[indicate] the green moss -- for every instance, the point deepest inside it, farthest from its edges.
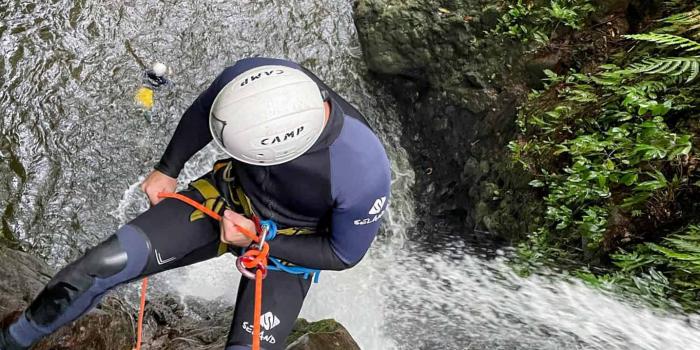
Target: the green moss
(446, 45)
(302, 326)
(534, 22)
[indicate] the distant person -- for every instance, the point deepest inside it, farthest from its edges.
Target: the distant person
(301, 156)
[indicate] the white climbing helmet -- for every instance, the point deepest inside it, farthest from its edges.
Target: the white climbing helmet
(268, 115)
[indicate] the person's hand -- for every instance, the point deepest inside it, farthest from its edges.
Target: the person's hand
(155, 183)
(230, 234)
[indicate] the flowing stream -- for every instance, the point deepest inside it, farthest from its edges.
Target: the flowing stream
(74, 147)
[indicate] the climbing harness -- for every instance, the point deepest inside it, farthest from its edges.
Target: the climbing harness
(270, 229)
(255, 257)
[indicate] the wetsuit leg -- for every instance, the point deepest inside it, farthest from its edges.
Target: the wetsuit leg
(283, 296)
(162, 238)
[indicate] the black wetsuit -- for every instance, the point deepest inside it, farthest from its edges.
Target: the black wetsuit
(339, 189)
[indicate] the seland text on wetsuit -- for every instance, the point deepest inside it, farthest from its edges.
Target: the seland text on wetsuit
(338, 190)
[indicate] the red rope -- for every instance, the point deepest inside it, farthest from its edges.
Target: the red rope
(259, 257)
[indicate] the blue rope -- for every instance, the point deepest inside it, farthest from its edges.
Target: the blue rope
(278, 266)
(271, 229)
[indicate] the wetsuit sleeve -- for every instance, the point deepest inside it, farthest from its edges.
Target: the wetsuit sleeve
(310, 251)
(360, 182)
(192, 133)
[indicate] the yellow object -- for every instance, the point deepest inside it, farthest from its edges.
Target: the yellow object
(212, 199)
(144, 97)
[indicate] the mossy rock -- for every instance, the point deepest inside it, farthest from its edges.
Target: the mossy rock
(321, 335)
(443, 44)
(108, 328)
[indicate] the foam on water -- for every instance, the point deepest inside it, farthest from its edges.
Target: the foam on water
(398, 299)
(465, 300)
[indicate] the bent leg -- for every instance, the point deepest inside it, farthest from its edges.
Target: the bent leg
(164, 237)
(283, 296)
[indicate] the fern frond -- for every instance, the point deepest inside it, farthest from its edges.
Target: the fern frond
(651, 86)
(683, 22)
(673, 66)
(685, 19)
(666, 40)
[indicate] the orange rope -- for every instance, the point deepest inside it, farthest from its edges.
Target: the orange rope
(207, 211)
(258, 309)
(142, 307)
(259, 257)
(191, 202)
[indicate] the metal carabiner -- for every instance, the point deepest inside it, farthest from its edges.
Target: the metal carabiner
(265, 228)
(243, 259)
(242, 269)
(240, 265)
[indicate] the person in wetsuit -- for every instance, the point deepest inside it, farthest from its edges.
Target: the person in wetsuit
(301, 156)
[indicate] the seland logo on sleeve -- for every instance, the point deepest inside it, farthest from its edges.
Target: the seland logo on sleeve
(268, 321)
(376, 212)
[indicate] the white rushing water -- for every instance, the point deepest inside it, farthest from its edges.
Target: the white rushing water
(398, 299)
(69, 72)
(402, 298)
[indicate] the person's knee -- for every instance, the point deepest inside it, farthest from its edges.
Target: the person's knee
(118, 259)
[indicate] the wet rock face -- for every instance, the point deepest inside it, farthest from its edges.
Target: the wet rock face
(22, 276)
(109, 327)
(440, 45)
(465, 175)
(458, 89)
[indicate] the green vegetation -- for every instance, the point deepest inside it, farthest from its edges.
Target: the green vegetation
(614, 155)
(302, 326)
(533, 22)
(665, 273)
